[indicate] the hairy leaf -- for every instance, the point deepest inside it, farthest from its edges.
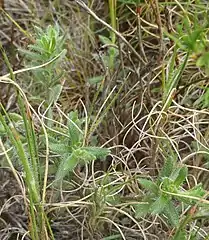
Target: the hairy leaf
(180, 235)
(167, 168)
(97, 151)
(68, 164)
(142, 209)
(196, 191)
(105, 40)
(183, 172)
(148, 185)
(75, 132)
(54, 93)
(172, 214)
(59, 148)
(158, 206)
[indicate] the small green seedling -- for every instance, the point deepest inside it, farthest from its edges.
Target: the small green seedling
(48, 45)
(162, 196)
(72, 150)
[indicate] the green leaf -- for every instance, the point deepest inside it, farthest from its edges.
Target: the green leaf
(113, 51)
(172, 214)
(205, 100)
(54, 93)
(38, 49)
(190, 40)
(167, 168)
(183, 172)
(52, 44)
(112, 237)
(74, 127)
(95, 80)
(32, 55)
(59, 148)
(196, 191)
(142, 209)
(2, 129)
(105, 40)
(148, 185)
(203, 60)
(84, 156)
(68, 164)
(158, 206)
(15, 117)
(97, 151)
(44, 42)
(180, 235)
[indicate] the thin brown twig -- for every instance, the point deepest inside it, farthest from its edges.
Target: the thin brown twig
(140, 37)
